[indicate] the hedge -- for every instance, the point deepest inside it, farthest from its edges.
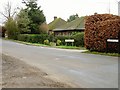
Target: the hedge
(62, 38)
(99, 28)
(33, 38)
(78, 37)
(39, 38)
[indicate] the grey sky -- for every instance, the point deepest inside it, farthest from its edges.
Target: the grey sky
(65, 8)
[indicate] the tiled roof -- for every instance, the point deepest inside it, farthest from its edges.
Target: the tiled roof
(78, 23)
(56, 23)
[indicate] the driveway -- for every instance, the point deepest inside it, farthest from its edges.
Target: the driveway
(69, 66)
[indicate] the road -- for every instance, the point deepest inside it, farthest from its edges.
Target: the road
(73, 67)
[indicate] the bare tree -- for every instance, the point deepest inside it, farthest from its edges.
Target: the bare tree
(8, 12)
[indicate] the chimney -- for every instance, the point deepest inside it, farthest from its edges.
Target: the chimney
(95, 13)
(55, 17)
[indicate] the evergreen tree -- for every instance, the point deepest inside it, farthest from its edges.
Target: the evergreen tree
(72, 17)
(35, 15)
(23, 22)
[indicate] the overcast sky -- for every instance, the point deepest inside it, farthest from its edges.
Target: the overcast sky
(65, 8)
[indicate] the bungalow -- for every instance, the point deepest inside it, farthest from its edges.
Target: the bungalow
(70, 28)
(57, 22)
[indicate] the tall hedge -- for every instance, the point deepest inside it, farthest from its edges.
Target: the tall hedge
(99, 28)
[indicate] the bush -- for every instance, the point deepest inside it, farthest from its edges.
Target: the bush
(58, 42)
(33, 38)
(79, 39)
(46, 42)
(12, 29)
(52, 44)
(99, 28)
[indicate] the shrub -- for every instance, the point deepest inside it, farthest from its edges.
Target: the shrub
(12, 29)
(99, 28)
(58, 42)
(46, 42)
(79, 39)
(43, 28)
(52, 44)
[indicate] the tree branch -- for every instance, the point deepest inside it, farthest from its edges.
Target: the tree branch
(3, 15)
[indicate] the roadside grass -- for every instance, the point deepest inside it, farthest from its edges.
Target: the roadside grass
(27, 43)
(71, 47)
(101, 53)
(43, 45)
(66, 47)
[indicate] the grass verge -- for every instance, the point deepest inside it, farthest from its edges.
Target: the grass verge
(27, 43)
(71, 47)
(101, 53)
(67, 47)
(43, 45)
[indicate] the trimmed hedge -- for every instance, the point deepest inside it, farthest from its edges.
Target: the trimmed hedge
(99, 28)
(33, 38)
(60, 40)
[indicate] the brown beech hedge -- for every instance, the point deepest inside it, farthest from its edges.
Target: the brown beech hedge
(99, 28)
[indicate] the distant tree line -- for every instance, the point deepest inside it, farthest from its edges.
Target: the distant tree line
(72, 17)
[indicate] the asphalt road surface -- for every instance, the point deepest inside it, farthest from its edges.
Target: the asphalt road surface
(69, 66)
